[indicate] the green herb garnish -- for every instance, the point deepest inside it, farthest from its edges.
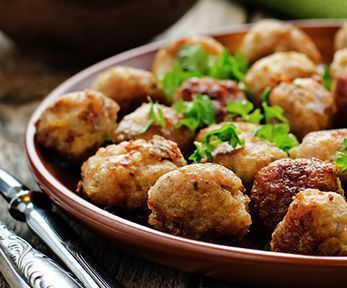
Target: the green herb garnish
(326, 76)
(279, 135)
(341, 159)
(156, 116)
(245, 110)
(273, 113)
(265, 95)
(194, 58)
(227, 133)
(198, 113)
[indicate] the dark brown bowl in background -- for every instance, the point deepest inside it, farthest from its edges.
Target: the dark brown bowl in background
(226, 262)
(83, 31)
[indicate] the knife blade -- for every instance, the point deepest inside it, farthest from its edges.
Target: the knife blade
(34, 208)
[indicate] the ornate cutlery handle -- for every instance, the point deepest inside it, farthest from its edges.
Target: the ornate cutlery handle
(37, 269)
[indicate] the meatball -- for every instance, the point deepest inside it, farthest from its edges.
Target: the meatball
(165, 58)
(339, 65)
(120, 175)
(307, 105)
(316, 224)
(77, 124)
(269, 36)
(132, 125)
(276, 184)
(220, 91)
(341, 38)
(322, 145)
(247, 160)
(128, 86)
(200, 201)
(270, 70)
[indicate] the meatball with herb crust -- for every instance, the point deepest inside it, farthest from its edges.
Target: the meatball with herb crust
(77, 124)
(307, 105)
(165, 58)
(315, 224)
(135, 126)
(272, 69)
(220, 91)
(120, 175)
(276, 184)
(128, 86)
(269, 36)
(200, 201)
(245, 161)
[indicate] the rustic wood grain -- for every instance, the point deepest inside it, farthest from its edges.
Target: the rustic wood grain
(23, 82)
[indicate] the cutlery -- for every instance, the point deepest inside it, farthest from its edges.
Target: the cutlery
(34, 208)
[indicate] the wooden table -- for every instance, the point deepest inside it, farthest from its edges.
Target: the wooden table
(23, 83)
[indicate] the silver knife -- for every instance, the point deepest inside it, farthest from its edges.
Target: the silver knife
(23, 266)
(34, 208)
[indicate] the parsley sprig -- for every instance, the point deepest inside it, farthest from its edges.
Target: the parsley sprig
(156, 116)
(326, 77)
(227, 133)
(198, 113)
(341, 159)
(194, 61)
(245, 110)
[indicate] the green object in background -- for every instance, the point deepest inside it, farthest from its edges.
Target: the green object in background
(305, 8)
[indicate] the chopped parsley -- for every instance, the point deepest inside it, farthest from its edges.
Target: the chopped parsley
(245, 110)
(279, 135)
(227, 133)
(341, 159)
(273, 113)
(326, 76)
(264, 97)
(197, 113)
(156, 116)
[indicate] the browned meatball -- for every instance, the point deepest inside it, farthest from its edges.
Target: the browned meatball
(76, 124)
(276, 184)
(220, 91)
(200, 201)
(316, 224)
(120, 175)
(269, 36)
(339, 65)
(341, 38)
(270, 70)
(322, 145)
(131, 127)
(165, 58)
(129, 87)
(307, 105)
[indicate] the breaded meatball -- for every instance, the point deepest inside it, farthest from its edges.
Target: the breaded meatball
(307, 105)
(269, 36)
(322, 145)
(276, 184)
(220, 91)
(132, 125)
(120, 175)
(129, 87)
(245, 161)
(200, 201)
(341, 38)
(270, 70)
(165, 58)
(339, 65)
(77, 124)
(316, 224)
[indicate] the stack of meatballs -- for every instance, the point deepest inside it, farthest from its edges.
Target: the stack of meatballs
(295, 197)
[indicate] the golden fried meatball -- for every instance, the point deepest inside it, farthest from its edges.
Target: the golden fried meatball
(322, 145)
(132, 125)
(77, 124)
(247, 160)
(339, 64)
(276, 184)
(316, 224)
(200, 201)
(341, 38)
(269, 36)
(120, 175)
(165, 58)
(307, 105)
(220, 91)
(129, 87)
(270, 70)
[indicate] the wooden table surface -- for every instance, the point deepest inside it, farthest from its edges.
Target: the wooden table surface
(23, 83)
